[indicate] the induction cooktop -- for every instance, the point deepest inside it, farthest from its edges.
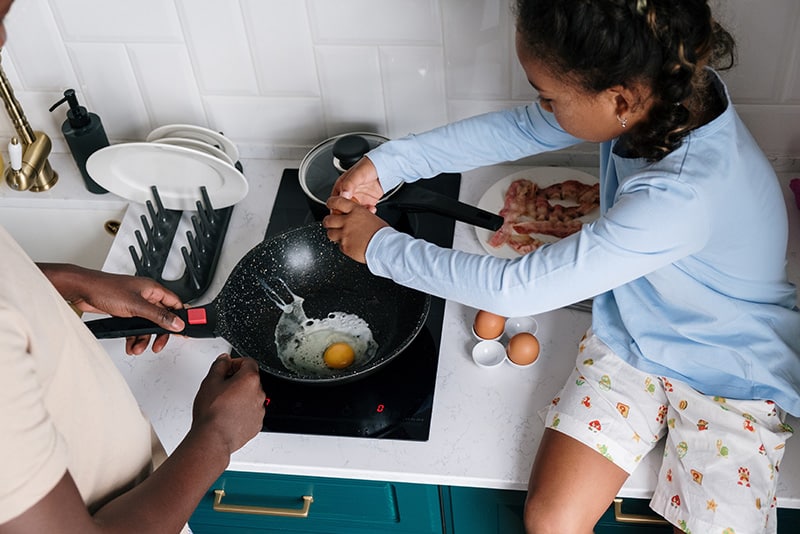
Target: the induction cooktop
(394, 402)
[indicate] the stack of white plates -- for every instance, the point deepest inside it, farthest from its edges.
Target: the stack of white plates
(178, 159)
(190, 135)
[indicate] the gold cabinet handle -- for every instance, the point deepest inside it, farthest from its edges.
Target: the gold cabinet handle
(638, 519)
(261, 510)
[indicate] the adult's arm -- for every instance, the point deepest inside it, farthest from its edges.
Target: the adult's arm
(94, 291)
(228, 411)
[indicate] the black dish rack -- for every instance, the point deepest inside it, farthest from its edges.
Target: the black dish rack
(201, 257)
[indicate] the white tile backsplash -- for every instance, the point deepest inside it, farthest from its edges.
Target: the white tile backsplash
(271, 121)
(117, 20)
(477, 48)
(280, 75)
(40, 39)
(785, 132)
(350, 77)
(217, 41)
(414, 88)
(111, 89)
(171, 94)
(376, 21)
(792, 89)
(760, 34)
(283, 52)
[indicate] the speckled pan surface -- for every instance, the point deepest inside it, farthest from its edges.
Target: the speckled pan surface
(315, 269)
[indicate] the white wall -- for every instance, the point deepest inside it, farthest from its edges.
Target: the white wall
(278, 76)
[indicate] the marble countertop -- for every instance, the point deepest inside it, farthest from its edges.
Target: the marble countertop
(485, 427)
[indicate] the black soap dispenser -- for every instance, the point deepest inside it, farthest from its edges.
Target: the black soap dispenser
(84, 133)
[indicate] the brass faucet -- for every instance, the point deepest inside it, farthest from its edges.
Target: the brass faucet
(34, 173)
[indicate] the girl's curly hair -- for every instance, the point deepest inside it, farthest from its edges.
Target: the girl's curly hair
(664, 44)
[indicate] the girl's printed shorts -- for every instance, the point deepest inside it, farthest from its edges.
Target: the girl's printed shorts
(721, 458)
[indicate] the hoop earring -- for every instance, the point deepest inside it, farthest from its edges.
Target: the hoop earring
(623, 121)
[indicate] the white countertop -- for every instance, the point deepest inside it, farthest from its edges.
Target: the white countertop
(485, 428)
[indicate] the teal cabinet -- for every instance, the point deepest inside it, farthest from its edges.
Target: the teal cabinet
(484, 511)
(631, 516)
(788, 520)
(255, 503)
(265, 503)
(487, 511)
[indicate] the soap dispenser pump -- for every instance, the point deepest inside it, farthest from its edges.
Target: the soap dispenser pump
(84, 133)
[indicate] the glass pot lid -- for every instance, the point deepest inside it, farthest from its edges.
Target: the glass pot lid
(323, 165)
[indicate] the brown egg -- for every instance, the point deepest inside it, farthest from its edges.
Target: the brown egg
(523, 348)
(487, 325)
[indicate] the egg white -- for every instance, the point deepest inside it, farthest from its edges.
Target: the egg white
(301, 343)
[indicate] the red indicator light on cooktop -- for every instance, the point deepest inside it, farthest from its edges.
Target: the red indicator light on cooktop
(380, 408)
(196, 316)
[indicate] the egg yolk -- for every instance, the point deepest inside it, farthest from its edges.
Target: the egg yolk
(339, 356)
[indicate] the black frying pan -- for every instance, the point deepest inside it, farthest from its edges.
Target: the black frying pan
(314, 268)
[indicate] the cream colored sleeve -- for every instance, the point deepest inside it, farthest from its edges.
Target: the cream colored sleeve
(33, 457)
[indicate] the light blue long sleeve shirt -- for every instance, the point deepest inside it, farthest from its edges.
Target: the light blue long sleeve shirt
(686, 261)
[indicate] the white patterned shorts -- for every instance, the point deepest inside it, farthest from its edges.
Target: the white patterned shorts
(721, 458)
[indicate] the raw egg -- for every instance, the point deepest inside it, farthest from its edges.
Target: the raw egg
(487, 325)
(339, 356)
(523, 349)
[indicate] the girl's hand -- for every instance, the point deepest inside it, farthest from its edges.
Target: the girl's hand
(119, 295)
(360, 183)
(351, 226)
(230, 402)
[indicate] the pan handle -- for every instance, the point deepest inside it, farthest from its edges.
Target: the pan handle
(201, 322)
(425, 200)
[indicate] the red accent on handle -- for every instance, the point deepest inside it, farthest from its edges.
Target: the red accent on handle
(196, 316)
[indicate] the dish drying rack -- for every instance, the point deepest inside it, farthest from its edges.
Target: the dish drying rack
(205, 241)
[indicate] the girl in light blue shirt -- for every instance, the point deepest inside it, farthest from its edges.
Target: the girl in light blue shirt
(686, 263)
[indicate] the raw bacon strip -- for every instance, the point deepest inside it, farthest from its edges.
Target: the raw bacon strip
(527, 210)
(519, 194)
(554, 228)
(524, 243)
(572, 190)
(501, 236)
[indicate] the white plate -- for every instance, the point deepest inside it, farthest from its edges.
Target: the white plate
(493, 201)
(190, 131)
(130, 169)
(194, 144)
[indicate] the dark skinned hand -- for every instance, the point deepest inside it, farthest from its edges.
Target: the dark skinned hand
(351, 226)
(118, 295)
(230, 401)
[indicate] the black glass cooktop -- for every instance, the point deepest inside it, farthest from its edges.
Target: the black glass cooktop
(393, 402)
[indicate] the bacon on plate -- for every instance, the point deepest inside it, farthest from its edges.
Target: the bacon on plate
(529, 209)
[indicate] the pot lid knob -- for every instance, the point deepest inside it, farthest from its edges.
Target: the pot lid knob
(347, 150)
